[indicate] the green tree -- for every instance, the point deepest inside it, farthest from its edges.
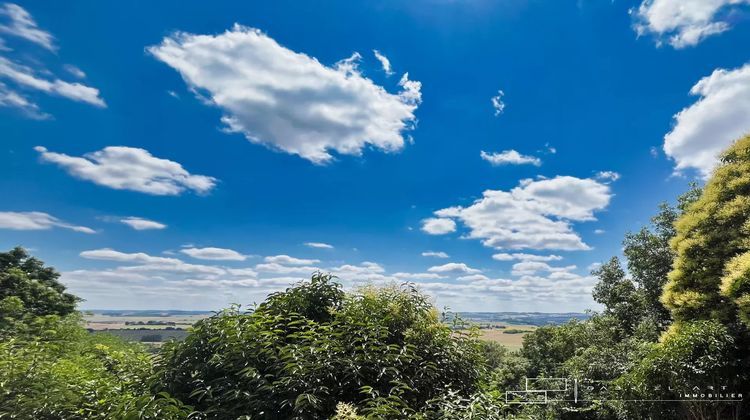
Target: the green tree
(26, 278)
(711, 271)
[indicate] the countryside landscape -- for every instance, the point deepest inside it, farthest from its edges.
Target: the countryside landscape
(358, 210)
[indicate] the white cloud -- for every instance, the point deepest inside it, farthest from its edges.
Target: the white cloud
(599, 231)
(212, 253)
(605, 176)
(149, 263)
(25, 76)
(497, 103)
(436, 254)
(287, 260)
(438, 226)
(75, 71)
(20, 23)
(535, 215)
(143, 280)
(109, 254)
(417, 276)
(17, 22)
(139, 223)
(12, 99)
(684, 23)
(529, 268)
(473, 277)
(384, 62)
(509, 157)
(35, 220)
(287, 100)
(320, 245)
(453, 268)
(525, 257)
(129, 168)
(711, 124)
(277, 268)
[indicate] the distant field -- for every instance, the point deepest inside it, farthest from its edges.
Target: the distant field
(509, 335)
(98, 321)
(506, 328)
(147, 336)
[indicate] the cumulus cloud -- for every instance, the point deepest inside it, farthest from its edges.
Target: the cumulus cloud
(287, 260)
(509, 157)
(129, 168)
(384, 62)
(708, 126)
(453, 268)
(684, 23)
(212, 253)
(537, 214)
(497, 103)
(290, 101)
(18, 22)
(139, 223)
(320, 245)
(36, 220)
(438, 226)
(435, 254)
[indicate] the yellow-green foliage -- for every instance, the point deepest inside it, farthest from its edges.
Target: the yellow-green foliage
(712, 245)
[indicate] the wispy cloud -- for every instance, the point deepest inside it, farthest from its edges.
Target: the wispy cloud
(36, 220)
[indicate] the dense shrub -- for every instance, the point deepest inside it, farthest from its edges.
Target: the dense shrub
(383, 351)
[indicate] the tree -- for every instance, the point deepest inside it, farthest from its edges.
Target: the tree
(36, 286)
(712, 266)
(619, 295)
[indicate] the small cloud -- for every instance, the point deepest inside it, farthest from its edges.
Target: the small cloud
(217, 254)
(384, 62)
(139, 223)
(509, 157)
(35, 220)
(599, 231)
(130, 168)
(607, 176)
(684, 23)
(173, 94)
(435, 254)
(75, 71)
(287, 260)
(453, 268)
(525, 257)
(320, 245)
(438, 226)
(497, 103)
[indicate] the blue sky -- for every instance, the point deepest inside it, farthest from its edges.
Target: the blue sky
(190, 154)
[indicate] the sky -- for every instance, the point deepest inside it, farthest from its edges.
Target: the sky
(191, 155)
